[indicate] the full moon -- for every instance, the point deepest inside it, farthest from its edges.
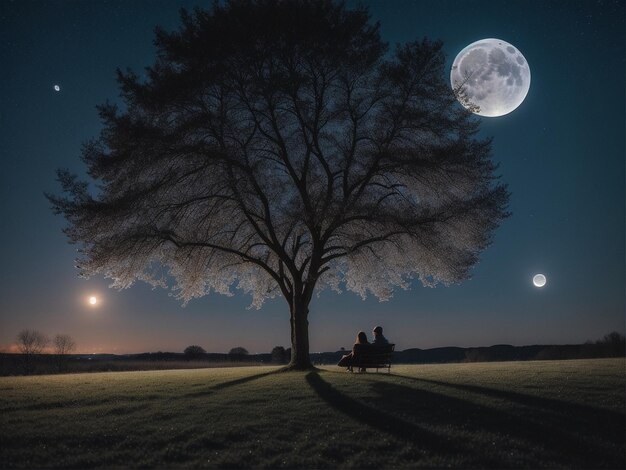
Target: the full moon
(57, 88)
(539, 280)
(493, 75)
(93, 300)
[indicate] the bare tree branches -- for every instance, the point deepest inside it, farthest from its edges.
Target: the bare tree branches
(32, 342)
(64, 344)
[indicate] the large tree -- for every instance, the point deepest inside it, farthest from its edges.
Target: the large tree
(279, 147)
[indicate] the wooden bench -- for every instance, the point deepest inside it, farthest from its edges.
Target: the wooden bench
(374, 357)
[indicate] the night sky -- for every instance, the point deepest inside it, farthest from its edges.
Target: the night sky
(561, 153)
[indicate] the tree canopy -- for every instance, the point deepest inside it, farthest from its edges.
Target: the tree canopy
(280, 147)
(194, 351)
(238, 351)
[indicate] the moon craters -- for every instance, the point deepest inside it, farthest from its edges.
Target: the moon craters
(492, 75)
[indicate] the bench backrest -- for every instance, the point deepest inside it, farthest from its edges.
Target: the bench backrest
(374, 354)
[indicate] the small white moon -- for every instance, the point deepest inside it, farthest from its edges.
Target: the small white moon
(57, 88)
(493, 75)
(539, 280)
(93, 300)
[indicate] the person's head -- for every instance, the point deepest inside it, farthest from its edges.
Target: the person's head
(361, 338)
(378, 331)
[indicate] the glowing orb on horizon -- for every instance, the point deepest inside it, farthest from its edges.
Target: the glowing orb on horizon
(93, 300)
(539, 280)
(493, 75)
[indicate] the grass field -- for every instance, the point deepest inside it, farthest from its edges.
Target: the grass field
(497, 415)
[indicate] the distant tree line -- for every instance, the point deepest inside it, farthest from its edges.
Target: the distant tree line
(612, 345)
(279, 354)
(40, 354)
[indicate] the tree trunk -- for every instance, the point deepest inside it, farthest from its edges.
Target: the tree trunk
(299, 336)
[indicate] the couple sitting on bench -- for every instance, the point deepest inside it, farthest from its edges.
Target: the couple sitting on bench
(376, 354)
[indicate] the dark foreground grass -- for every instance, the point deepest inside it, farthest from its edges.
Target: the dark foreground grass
(497, 415)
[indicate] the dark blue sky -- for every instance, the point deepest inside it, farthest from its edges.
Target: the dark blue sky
(561, 152)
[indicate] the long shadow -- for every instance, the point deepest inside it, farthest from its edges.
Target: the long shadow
(565, 438)
(223, 385)
(386, 422)
(560, 415)
(548, 440)
(549, 404)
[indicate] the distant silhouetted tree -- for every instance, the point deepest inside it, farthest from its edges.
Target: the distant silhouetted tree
(31, 342)
(194, 352)
(238, 351)
(278, 146)
(63, 345)
(278, 355)
(612, 345)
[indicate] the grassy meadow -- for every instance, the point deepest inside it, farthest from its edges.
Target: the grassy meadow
(495, 415)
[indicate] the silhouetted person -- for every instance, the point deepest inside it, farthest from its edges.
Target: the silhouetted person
(359, 346)
(379, 339)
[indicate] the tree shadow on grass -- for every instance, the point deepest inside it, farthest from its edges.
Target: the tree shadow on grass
(598, 422)
(222, 385)
(521, 437)
(565, 438)
(383, 421)
(565, 408)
